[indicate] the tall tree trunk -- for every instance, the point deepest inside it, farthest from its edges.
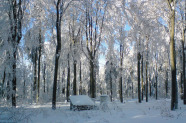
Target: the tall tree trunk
(111, 83)
(14, 79)
(74, 81)
(8, 89)
(121, 71)
(174, 96)
(80, 90)
(58, 50)
(55, 81)
(44, 77)
(92, 79)
(166, 84)
(147, 84)
(24, 87)
(183, 53)
(156, 77)
(150, 86)
(142, 76)
(147, 79)
(62, 82)
(139, 87)
(39, 62)
(132, 91)
(35, 74)
(93, 32)
(4, 77)
(68, 80)
(15, 17)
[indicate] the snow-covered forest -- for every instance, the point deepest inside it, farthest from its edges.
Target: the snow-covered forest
(131, 50)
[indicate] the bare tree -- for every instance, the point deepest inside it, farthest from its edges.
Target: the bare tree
(174, 96)
(61, 7)
(15, 14)
(94, 28)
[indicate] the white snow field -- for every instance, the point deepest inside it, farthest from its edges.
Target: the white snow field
(154, 111)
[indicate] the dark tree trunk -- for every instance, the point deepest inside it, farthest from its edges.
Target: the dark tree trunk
(121, 90)
(183, 53)
(44, 77)
(121, 70)
(55, 81)
(39, 62)
(166, 84)
(58, 50)
(142, 92)
(80, 90)
(24, 88)
(111, 83)
(35, 74)
(156, 77)
(74, 81)
(93, 38)
(132, 91)
(15, 17)
(3, 81)
(14, 81)
(62, 82)
(92, 80)
(150, 86)
(8, 89)
(139, 86)
(146, 82)
(68, 80)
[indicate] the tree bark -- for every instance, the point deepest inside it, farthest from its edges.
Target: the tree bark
(14, 81)
(74, 82)
(39, 62)
(92, 80)
(183, 53)
(15, 17)
(62, 82)
(147, 86)
(4, 77)
(58, 50)
(150, 86)
(80, 89)
(111, 83)
(8, 89)
(24, 87)
(166, 84)
(44, 77)
(139, 86)
(142, 92)
(35, 74)
(93, 38)
(174, 96)
(147, 79)
(132, 91)
(156, 77)
(55, 81)
(121, 70)
(68, 80)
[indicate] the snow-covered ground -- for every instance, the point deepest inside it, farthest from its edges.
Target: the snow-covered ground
(155, 111)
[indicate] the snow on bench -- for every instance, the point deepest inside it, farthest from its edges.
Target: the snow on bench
(81, 102)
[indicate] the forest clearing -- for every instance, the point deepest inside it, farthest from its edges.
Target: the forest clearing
(52, 52)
